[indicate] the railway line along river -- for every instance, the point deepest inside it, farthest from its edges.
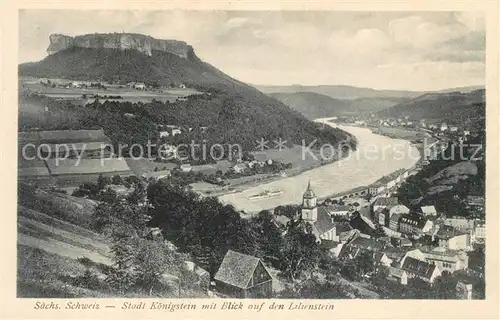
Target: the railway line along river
(375, 157)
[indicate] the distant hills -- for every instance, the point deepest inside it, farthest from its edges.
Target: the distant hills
(452, 107)
(315, 105)
(350, 92)
(327, 101)
(340, 91)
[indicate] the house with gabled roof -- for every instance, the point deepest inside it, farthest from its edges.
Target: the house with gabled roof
(376, 188)
(360, 244)
(395, 254)
(334, 247)
(460, 223)
(420, 269)
(385, 202)
(338, 210)
(243, 276)
(399, 209)
(397, 274)
(428, 210)
(446, 259)
(454, 239)
(414, 224)
(380, 258)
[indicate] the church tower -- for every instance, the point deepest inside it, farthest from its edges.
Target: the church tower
(309, 206)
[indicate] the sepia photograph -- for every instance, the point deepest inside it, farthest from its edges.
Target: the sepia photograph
(306, 154)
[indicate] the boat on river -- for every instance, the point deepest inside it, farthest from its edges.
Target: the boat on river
(266, 194)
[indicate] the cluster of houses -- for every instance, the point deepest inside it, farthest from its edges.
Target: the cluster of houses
(406, 122)
(70, 84)
(143, 86)
(384, 185)
(421, 244)
(88, 84)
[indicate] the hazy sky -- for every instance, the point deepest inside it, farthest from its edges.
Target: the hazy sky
(384, 50)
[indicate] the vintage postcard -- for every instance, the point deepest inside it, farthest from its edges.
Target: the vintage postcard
(244, 160)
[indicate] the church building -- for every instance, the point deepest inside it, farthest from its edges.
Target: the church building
(318, 217)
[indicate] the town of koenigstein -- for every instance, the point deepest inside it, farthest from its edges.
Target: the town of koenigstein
(234, 154)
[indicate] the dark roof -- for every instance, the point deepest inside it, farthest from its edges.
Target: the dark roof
(418, 267)
(405, 241)
(367, 244)
(359, 222)
(395, 217)
(324, 222)
(413, 220)
(347, 235)
(338, 207)
(377, 256)
(448, 233)
(329, 244)
(237, 269)
(281, 220)
(394, 253)
(365, 212)
(342, 227)
(350, 252)
(386, 201)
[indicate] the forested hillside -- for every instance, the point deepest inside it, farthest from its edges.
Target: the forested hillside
(233, 111)
(454, 107)
(315, 105)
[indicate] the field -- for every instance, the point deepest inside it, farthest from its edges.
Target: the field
(144, 165)
(76, 95)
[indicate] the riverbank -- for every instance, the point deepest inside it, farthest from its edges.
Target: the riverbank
(307, 162)
(353, 171)
(239, 187)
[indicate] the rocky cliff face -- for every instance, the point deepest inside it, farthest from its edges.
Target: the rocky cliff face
(142, 43)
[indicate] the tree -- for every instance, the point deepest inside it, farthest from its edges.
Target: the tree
(117, 180)
(122, 276)
(364, 263)
(268, 236)
(300, 253)
(477, 259)
(289, 211)
(315, 289)
(102, 217)
(151, 261)
(109, 195)
(102, 181)
(191, 222)
(139, 194)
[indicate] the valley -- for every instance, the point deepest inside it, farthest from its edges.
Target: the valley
(144, 171)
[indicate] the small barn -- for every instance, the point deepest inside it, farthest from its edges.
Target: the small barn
(243, 276)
